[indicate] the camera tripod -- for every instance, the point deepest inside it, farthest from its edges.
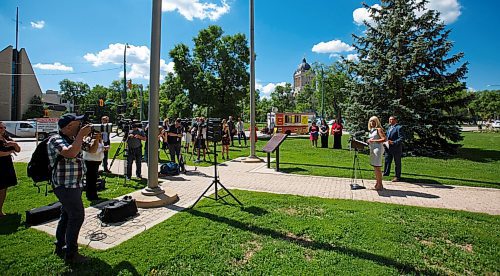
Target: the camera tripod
(123, 144)
(216, 182)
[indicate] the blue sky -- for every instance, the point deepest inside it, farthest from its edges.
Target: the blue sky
(83, 40)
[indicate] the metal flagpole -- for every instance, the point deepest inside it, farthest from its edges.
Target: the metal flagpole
(153, 118)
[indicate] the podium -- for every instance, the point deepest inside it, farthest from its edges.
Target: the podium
(356, 145)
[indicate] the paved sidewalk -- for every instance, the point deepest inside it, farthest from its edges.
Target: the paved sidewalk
(256, 177)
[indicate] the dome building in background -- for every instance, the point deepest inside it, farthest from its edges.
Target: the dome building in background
(302, 76)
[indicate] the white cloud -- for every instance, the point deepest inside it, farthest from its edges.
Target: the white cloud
(38, 24)
(191, 9)
(57, 66)
(362, 14)
(138, 58)
(266, 90)
(333, 46)
(352, 57)
(449, 10)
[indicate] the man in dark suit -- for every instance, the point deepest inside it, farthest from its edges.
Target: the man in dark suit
(395, 148)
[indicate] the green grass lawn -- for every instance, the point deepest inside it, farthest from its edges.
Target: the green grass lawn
(476, 164)
(272, 234)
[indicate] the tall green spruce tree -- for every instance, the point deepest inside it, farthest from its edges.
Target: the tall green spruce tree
(405, 69)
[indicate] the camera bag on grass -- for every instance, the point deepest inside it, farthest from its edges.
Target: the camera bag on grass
(170, 169)
(118, 211)
(43, 214)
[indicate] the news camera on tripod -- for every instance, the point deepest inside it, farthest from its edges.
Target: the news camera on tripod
(132, 137)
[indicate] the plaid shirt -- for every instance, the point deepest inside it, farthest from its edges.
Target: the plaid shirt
(69, 171)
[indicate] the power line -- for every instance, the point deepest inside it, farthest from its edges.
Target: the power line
(58, 74)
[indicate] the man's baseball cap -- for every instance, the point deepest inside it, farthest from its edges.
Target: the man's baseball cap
(68, 118)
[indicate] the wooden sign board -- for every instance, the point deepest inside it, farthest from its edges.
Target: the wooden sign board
(274, 142)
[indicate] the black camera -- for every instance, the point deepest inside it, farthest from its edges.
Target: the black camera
(125, 125)
(102, 127)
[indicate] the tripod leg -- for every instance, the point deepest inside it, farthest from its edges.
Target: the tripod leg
(202, 195)
(227, 191)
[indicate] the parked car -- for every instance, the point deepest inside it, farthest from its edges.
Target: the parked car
(496, 124)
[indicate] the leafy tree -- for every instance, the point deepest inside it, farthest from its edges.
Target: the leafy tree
(215, 72)
(174, 101)
(262, 107)
(486, 104)
(35, 109)
(283, 99)
(307, 99)
(405, 69)
(333, 78)
(73, 92)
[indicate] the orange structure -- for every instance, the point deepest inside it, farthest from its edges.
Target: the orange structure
(290, 122)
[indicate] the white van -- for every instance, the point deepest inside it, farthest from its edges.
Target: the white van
(23, 129)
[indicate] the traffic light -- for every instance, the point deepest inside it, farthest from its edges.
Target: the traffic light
(129, 84)
(45, 113)
(101, 102)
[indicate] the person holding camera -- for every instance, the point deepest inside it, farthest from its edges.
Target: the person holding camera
(64, 151)
(134, 144)
(174, 137)
(8, 179)
(93, 158)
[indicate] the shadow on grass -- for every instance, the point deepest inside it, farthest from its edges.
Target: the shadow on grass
(477, 155)
(314, 245)
(9, 224)
(419, 178)
(254, 210)
(99, 267)
(401, 193)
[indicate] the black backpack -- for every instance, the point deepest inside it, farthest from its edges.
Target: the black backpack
(170, 169)
(39, 166)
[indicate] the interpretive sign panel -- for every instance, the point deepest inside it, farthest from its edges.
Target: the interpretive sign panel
(274, 145)
(274, 142)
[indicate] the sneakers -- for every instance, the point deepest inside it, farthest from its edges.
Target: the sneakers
(76, 258)
(396, 179)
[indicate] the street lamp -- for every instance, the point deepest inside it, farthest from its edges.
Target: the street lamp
(124, 95)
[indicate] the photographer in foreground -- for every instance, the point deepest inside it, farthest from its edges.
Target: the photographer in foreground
(64, 151)
(134, 144)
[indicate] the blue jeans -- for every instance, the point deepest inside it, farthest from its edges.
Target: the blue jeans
(72, 217)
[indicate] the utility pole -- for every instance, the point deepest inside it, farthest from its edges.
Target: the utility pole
(124, 95)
